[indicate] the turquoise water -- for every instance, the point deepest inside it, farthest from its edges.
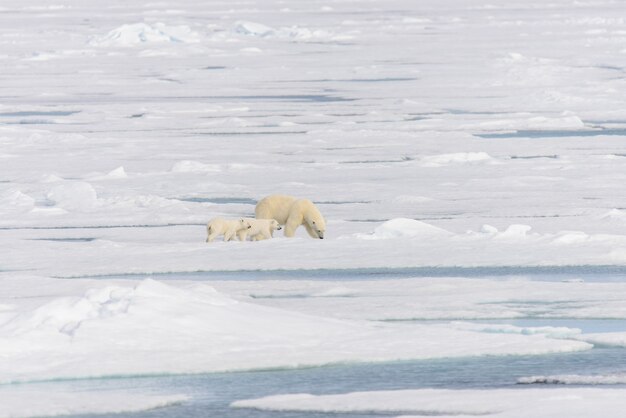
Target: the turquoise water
(588, 273)
(554, 133)
(212, 393)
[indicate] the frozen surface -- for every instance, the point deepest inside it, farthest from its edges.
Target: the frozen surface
(614, 339)
(441, 298)
(157, 118)
(34, 401)
(153, 328)
(434, 136)
(502, 403)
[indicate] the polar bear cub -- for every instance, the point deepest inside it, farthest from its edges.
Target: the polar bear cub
(227, 227)
(292, 212)
(259, 229)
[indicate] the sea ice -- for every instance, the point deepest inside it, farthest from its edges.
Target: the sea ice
(455, 158)
(253, 29)
(410, 123)
(611, 339)
(139, 33)
(194, 167)
(156, 328)
(405, 228)
(443, 298)
(73, 195)
(497, 403)
(48, 401)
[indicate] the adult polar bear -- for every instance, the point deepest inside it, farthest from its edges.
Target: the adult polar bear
(292, 212)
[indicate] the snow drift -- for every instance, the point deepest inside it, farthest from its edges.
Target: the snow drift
(156, 328)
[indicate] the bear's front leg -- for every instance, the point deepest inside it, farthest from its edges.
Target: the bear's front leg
(290, 228)
(311, 231)
(229, 235)
(242, 235)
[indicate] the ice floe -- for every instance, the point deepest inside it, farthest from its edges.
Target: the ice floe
(295, 33)
(134, 34)
(500, 403)
(553, 332)
(405, 228)
(611, 339)
(15, 201)
(116, 174)
(73, 195)
(34, 401)
(455, 158)
(156, 328)
(188, 166)
(252, 28)
(446, 298)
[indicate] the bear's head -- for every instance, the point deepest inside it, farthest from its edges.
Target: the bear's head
(274, 225)
(244, 224)
(317, 224)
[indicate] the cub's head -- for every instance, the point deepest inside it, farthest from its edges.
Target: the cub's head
(274, 225)
(244, 224)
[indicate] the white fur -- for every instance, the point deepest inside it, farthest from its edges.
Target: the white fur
(227, 227)
(292, 212)
(259, 229)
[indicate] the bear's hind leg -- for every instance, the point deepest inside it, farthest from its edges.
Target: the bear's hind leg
(211, 233)
(262, 212)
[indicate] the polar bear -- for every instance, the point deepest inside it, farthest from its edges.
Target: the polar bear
(259, 229)
(227, 227)
(292, 212)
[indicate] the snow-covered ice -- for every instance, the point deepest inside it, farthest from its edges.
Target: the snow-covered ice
(500, 403)
(153, 328)
(440, 298)
(446, 137)
(25, 401)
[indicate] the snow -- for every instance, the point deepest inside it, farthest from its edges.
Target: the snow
(193, 167)
(486, 141)
(455, 158)
(24, 401)
(154, 328)
(611, 339)
(252, 28)
(405, 228)
(294, 33)
(441, 298)
(72, 195)
(500, 403)
(130, 35)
